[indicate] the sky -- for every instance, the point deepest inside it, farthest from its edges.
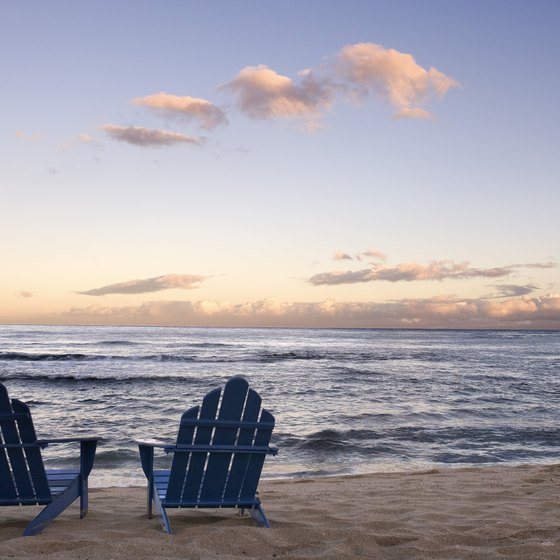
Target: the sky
(317, 163)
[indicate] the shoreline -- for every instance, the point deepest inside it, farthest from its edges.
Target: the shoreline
(315, 476)
(350, 472)
(467, 512)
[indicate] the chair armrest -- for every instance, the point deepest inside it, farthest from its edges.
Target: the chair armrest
(87, 455)
(213, 448)
(146, 448)
(153, 443)
(88, 446)
(45, 441)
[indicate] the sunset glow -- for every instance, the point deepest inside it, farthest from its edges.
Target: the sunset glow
(209, 164)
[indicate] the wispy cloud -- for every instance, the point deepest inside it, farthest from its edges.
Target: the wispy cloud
(514, 290)
(82, 139)
(25, 136)
(140, 136)
(370, 253)
(438, 312)
(187, 107)
(146, 285)
(413, 113)
(376, 254)
(549, 264)
(408, 272)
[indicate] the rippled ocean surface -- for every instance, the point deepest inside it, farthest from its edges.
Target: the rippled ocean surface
(345, 401)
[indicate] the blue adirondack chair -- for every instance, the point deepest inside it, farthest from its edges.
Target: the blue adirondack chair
(23, 478)
(217, 458)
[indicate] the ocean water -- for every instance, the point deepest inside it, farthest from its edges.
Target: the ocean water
(345, 401)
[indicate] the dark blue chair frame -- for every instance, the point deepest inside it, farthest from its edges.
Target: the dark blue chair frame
(24, 481)
(217, 458)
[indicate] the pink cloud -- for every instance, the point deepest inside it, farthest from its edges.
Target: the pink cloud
(188, 107)
(375, 254)
(262, 93)
(359, 70)
(371, 69)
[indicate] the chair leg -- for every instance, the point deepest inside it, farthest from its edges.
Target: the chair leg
(150, 494)
(257, 513)
(161, 513)
(57, 506)
(84, 499)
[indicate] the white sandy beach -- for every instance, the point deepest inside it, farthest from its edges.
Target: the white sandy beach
(505, 512)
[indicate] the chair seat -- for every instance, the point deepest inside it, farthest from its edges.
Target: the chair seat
(60, 479)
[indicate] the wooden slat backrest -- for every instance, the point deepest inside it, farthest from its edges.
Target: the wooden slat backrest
(221, 476)
(256, 462)
(180, 461)
(32, 454)
(21, 468)
(7, 484)
(231, 408)
(240, 462)
(187, 470)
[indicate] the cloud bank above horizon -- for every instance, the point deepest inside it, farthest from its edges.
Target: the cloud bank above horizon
(507, 305)
(436, 312)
